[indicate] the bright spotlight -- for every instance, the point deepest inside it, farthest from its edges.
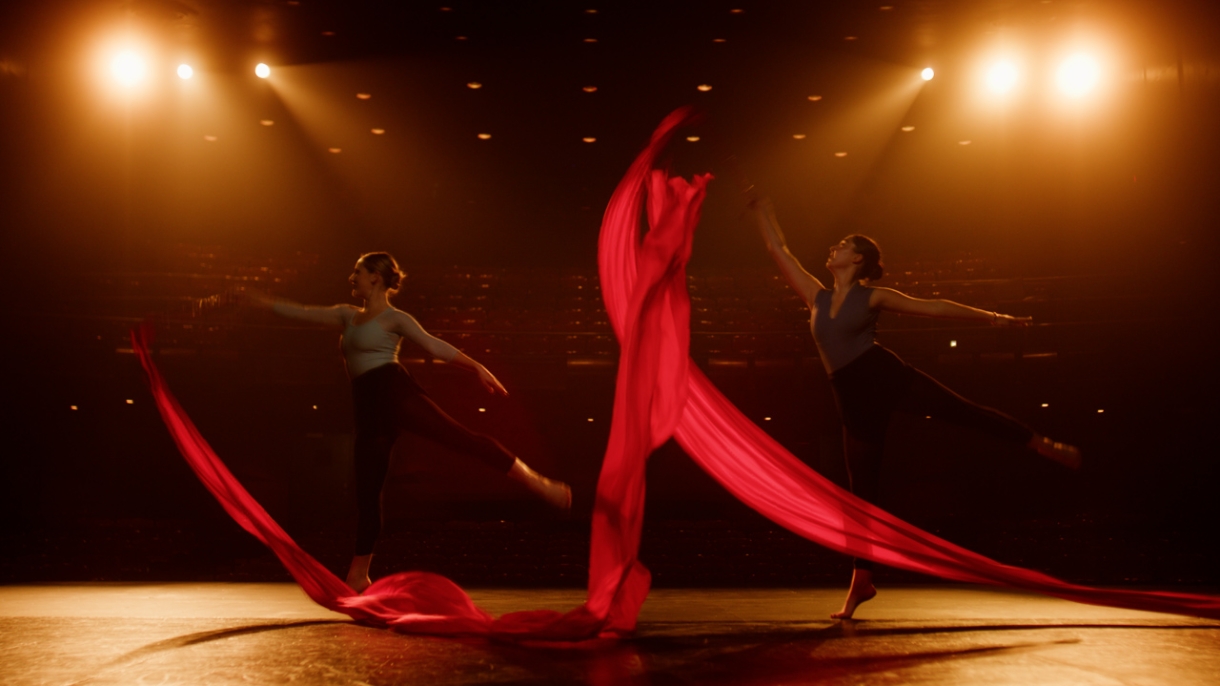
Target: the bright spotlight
(1077, 75)
(927, 74)
(185, 71)
(262, 71)
(127, 68)
(1001, 77)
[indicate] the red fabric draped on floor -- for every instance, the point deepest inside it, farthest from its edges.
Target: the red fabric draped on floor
(659, 392)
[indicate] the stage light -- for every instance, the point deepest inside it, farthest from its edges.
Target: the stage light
(927, 74)
(589, 89)
(210, 139)
(484, 136)
(378, 132)
(908, 129)
(693, 139)
(128, 68)
(963, 142)
(267, 122)
(952, 344)
(72, 407)
(1001, 77)
(363, 96)
(703, 88)
(840, 154)
(799, 136)
(718, 40)
(589, 139)
(334, 151)
(315, 407)
(1077, 75)
(1046, 404)
(766, 419)
(474, 85)
(185, 71)
(482, 409)
(590, 40)
(589, 419)
(132, 402)
(262, 71)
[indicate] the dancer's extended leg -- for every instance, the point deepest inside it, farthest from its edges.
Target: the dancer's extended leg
(372, 456)
(425, 417)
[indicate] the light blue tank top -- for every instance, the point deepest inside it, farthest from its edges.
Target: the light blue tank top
(848, 335)
(368, 345)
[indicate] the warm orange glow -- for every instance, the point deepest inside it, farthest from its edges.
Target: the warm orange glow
(736, 11)
(364, 96)
(815, 98)
(589, 139)
(963, 142)
(474, 85)
(799, 136)
(334, 151)
(590, 40)
(210, 139)
(1001, 77)
(128, 68)
(459, 38)
(908, 129)
(718, 40)
(185, 71)
(927, 74)
(72, 407)
(693, 139)
(1078, 75)
(262, 71)
(266, 122)
(378, 132)
(840, 154)
(484, 136)
(1046, 404)
(132, 402)
(703, 87)
(589, 89)
(590, 11)
(849, 38)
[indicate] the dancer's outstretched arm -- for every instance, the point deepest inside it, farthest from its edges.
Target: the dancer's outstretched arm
(335, 315)
(804, 283)
(895, 301)
(406, 326)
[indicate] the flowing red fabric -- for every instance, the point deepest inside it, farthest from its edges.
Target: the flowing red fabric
(659, 392)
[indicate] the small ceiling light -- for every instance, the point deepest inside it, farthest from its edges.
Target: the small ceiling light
(886, 8)
(799, 136)
(766, 419)
(72, 407)
(963, 142)
(589, 419)
(908, 129)
(459, 38)
(474, 85)
(736, 11)
(952, 344)
(703, 88)
(315, 407)
(328, 33)
(590, 40)
(849, 38)
(1046, 404)
(590, 11)
(718, 40)
(185, 71)
(210, 139)
(927, 74)
(693, 139)
(127, 68)
(1100, 411)
(840, 154)
(363, 96)
(484, 136)
(266, 122)
(262, 71)
(482, 409)
(446, 9)
(378, 132)
(334, 151)
(132, 402)
(589, 139)
(814, 98)
(589, 89)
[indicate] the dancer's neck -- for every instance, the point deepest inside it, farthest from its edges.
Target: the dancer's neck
(844, 280)
(376, 302)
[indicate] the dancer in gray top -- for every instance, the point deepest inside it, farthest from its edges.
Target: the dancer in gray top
(388, 401)
(870, 382)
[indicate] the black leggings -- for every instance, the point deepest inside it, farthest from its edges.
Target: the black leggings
(388, 402)
(877, 384)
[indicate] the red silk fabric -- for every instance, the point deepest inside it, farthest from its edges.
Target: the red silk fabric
(659, 392)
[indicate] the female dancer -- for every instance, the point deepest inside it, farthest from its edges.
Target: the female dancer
(870, 382)
(388, 401)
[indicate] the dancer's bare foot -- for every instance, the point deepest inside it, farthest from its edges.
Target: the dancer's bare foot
(557, 494)
(1065, 454)
(358, 573)
(861, 591)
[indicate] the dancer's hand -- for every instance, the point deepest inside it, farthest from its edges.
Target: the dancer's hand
(1009, 320)
(490, 382)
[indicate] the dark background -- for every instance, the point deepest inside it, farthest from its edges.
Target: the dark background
(1097, 217)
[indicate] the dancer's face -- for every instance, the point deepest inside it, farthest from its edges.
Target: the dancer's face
(843, 255)
(363, 281)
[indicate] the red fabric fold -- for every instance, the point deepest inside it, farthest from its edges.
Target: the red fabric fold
(658, 393)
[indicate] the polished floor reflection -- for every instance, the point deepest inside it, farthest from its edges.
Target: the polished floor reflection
(194, 633)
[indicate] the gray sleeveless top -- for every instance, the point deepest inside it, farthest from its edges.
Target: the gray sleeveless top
(847, 336)
(368, 346)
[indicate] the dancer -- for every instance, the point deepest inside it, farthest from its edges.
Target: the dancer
(870, 382)
(388, 401)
